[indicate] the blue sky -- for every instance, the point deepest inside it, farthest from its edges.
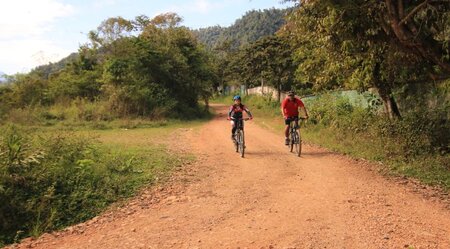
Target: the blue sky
(35, 32)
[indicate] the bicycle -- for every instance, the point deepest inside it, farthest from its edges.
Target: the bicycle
(239, 141)
(295, 138)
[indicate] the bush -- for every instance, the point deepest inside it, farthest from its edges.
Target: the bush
(50, 181)
(419, 132)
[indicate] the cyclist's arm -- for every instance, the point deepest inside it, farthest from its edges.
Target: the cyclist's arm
(248, 112)
(230, 112)
(302, 105)
(306, 112)
(283, 109)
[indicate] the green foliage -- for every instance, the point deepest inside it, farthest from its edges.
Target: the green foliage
(361, 44)
(420, 132)
(158, 72)
(5, 100)
(49, 181)
(396, 29)
(71, 83)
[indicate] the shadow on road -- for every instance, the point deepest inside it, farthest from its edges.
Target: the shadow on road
(318, 154)
(262, 153)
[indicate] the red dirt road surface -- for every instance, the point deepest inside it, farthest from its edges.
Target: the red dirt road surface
(269, 199)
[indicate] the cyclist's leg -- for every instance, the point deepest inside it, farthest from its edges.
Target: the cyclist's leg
(296, 122)
(286, 130)
(233, 128)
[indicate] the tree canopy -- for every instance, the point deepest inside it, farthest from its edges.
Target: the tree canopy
(361, 44)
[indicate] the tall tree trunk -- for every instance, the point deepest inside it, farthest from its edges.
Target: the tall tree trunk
(390, 106)
(385, 92)
(262, 86)
(206, 103)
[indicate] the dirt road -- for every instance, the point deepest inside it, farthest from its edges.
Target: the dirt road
(270, 199)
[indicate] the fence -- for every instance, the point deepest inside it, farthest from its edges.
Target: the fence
(358, 99)
(266, 91)
(366, 99)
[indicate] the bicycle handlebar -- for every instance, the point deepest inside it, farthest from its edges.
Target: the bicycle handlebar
(246, 119)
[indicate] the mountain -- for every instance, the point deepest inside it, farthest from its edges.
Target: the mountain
(252, 26)
(50, 68)
(2, 77)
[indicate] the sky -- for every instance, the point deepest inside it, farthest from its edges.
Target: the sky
(36, 32)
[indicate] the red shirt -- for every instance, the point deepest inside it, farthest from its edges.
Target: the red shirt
(290, 107)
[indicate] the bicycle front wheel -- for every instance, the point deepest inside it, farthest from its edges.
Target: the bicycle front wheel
(291, 143)
(241, 143)
(298, 144)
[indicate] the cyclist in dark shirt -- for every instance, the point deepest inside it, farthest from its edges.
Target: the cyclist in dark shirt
(235, 113)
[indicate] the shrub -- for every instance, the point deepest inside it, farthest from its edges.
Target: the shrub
(50, 181)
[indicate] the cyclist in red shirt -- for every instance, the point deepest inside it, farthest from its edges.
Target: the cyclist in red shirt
(289, 109)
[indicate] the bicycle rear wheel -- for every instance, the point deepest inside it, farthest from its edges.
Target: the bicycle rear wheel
(241, 143)
(236, 141)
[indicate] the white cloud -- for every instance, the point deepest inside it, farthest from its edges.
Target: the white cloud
(23, 18)
(204, 6)
(23, 27)
(103, 3)
(200, 6)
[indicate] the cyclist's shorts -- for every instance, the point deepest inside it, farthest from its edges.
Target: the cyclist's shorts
(288, 120)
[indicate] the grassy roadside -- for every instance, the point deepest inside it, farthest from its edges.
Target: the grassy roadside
(52, 177)
(395, 150)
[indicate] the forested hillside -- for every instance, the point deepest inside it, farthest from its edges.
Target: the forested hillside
(249, 28)
(46, 70)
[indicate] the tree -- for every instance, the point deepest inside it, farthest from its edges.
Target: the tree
(421, 26)
(111, 30)
(161, 71)
(28, 90)
(346, 44)
(270, 59)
